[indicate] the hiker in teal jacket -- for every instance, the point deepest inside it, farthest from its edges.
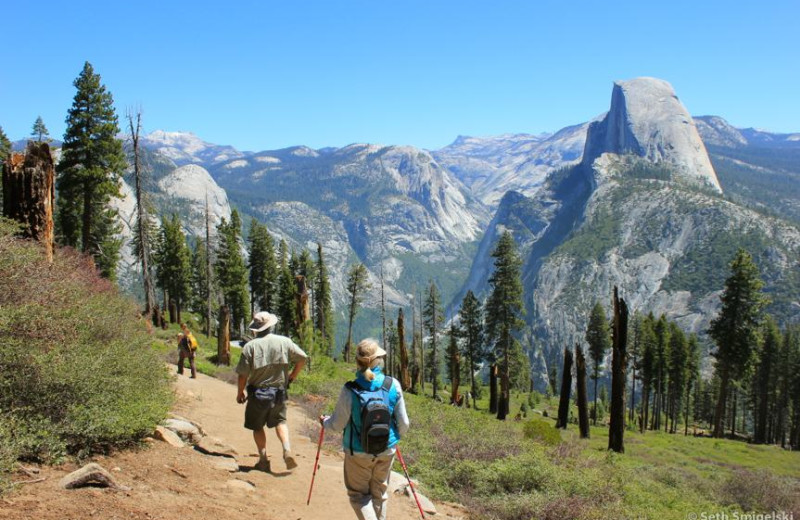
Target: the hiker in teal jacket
(366, 476)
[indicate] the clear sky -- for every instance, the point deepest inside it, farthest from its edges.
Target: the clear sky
(268, 74)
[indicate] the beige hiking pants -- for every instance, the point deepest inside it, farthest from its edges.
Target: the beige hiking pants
(367, 479)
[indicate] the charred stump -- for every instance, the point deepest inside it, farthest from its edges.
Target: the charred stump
(619, 363)
(566, 389)
(29, 193)
(583, 400)
(224, 336)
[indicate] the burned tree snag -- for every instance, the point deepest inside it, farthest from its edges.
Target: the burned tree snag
(619, 363)
(583, 400)
(493, 388)
(224, 336)
(566, 389)
(405, 377)
(29, 193)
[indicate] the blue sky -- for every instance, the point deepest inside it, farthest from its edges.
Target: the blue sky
(269, 74)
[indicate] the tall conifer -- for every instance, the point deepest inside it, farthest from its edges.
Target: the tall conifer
(88, 173)
(504, 311)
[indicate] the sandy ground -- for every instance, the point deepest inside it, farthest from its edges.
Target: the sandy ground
(169, 483)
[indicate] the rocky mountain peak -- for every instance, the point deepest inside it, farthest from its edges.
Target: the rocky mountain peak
(647, 119)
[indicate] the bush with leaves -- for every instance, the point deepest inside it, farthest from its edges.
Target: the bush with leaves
(77, 373)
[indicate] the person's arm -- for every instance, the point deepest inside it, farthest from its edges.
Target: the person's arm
(296, 371)
(400, 415)
(240, 397)
(243, 369)
(341, 414)
(298, 357)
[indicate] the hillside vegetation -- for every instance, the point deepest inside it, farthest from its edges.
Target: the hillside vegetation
(77, 371)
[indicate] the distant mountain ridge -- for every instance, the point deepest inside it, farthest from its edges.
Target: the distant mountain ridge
(638, 203)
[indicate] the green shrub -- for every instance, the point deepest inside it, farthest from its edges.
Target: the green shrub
(541, 431)
(77, 372)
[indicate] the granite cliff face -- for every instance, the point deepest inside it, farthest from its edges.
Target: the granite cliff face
(641, 211)
(647, 120)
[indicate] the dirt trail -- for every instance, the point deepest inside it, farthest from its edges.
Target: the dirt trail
(177, 484)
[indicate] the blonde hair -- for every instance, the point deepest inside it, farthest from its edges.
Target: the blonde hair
(366, 357)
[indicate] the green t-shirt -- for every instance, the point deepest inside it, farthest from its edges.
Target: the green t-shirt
(266, 361)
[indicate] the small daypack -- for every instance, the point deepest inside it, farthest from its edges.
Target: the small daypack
(376, 417)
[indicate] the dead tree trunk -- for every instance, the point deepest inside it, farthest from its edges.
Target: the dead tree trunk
(619, 363)
(455, 367)
(583, 400)
(224, 336)
(566, 389)
(173, 311)
(493, 388)
(29, 193)
(405, 378)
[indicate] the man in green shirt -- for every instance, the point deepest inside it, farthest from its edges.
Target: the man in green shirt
(264, 371)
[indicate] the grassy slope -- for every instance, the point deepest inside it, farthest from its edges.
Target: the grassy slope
(468, 456)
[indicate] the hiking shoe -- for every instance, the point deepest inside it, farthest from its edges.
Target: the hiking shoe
(262, 465)
(289, 460)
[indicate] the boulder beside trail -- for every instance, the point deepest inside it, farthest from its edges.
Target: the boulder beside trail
(163, 434)
(226, 464)
(91, 474)
(185, 430)
(213, 446)
(241, 485)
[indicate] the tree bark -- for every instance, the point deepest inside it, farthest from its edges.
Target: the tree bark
(566, 389)
(405, 377)
(493, 388)
(583, 401)
(224, 336)
(173, 311)
(619, 363)
(29, 193)
(719, 414)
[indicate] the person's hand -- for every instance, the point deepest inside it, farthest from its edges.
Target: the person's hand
(240, 397)
(323, 418)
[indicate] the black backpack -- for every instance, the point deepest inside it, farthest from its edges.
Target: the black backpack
(376, 417)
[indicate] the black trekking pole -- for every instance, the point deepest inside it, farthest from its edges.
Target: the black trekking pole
(316, 462)
(410, 484)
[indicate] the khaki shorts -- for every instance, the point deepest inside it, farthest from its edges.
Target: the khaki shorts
(257, 415)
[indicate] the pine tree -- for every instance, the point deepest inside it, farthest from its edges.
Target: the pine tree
(735, 328)
(677, 372)
(471, 330)
(88, 173)
(648, 340)
(357, 285)
(764, 385)
(599, 340)
(173, 263)
(660, 367)
(5, 145)
(434, 317)
(323, 306)
(692, 375)
(199, 278)
(40, 131)
(504, 311)
(263, 267)
(635, 354)
(231, 271)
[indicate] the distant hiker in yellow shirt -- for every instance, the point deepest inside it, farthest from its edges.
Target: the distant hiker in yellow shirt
(187, 346)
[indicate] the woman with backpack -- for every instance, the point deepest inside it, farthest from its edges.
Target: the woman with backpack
(372, 414)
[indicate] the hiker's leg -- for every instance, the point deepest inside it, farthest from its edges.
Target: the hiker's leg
(191, 364)
(282, 431)
(357, 475)
(260, 436)
(181, 355)
(379, 485)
